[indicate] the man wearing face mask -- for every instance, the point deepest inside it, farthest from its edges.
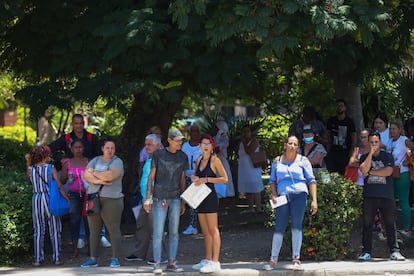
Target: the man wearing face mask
(342, 139)
(314, 151)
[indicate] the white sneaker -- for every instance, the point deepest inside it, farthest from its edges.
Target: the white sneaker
(396, 256)
(190, 230)
(105, 242)
(211, 267)
(157, 268)
(198, 266)
(81, 243)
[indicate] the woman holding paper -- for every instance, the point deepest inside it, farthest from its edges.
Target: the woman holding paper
(209, 171)
(291, 179)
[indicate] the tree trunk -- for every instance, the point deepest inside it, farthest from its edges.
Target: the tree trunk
(144, 114)
(345, 89)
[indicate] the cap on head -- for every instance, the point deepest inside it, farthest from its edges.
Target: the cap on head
(175, 135)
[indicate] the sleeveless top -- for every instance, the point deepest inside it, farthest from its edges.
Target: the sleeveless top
(210, 204)
(76, 185)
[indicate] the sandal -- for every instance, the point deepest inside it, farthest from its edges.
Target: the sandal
(296, 265)
(270, 266)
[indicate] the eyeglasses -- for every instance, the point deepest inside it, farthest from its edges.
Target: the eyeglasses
(206, 144)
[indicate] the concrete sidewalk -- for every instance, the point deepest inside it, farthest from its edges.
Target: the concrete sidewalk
(374, 267)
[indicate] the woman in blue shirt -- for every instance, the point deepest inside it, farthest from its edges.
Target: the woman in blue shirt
(291, 176)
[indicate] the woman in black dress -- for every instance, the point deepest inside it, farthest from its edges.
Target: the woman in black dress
(209, 171)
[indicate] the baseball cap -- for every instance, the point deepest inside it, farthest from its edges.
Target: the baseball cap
(175, 135)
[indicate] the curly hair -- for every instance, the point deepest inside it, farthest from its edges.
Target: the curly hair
(39, 154)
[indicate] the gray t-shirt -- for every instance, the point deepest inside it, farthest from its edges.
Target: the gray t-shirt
(114, 189)
(169, 168)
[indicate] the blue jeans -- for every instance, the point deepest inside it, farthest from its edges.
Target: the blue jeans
(295, 209)
(76, 205)
(159, 215)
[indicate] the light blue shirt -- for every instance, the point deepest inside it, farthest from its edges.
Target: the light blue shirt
(292, 177)
(144, 178)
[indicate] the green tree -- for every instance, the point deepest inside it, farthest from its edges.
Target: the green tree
(83, 50)
(157, 52)
(347, 41)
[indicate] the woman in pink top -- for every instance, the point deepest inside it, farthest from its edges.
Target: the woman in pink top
(72, 171)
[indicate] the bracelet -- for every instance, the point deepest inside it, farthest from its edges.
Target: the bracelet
(206, 178)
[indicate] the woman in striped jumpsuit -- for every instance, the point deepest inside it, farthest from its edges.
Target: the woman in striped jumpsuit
(37, 171)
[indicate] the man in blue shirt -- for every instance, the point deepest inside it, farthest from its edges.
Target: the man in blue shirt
(143, 232)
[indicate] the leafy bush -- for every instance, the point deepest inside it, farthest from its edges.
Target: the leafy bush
(326, 235)
(16, 231)
(12, 154)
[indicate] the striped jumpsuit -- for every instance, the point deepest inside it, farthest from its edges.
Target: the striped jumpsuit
(41, 215)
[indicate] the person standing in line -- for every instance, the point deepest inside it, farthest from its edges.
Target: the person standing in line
(209, 171)
(92, 148)
(378, 194)
(72, 172)
(104, 174)
(143, 155)
(342, 139)
(249, 177)
(381, 125)
(168, 168)
(309, 120)
(38, 172)
(363, 148)
(144, 229)
(409, 127)
(314, 151)
(402, 185)
(92, 145)
(291, 176)
(192, 149)
(222, 143)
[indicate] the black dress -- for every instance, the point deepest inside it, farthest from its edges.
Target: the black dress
(210, 204)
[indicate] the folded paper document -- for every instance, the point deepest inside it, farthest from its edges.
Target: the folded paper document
(280, 200)
(194, 195)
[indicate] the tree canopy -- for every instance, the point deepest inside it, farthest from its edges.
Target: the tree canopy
(157, 52)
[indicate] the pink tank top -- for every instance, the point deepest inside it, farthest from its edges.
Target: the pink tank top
(77, 185)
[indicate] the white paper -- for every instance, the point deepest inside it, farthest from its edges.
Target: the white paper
(136, 210)
(280, 200)
(194, 195)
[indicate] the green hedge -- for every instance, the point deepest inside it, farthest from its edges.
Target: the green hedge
(327, 235)
(16, 230)
(12, 154)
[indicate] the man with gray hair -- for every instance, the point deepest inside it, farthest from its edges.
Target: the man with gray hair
(144, 229)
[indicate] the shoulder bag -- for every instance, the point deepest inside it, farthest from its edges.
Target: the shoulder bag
(396, 172)
(259, 159)
(58, 205)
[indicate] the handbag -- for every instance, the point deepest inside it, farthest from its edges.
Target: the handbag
(396, 172)
(58, 206)
(351, 173)
(93, 203)
(259, 159)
